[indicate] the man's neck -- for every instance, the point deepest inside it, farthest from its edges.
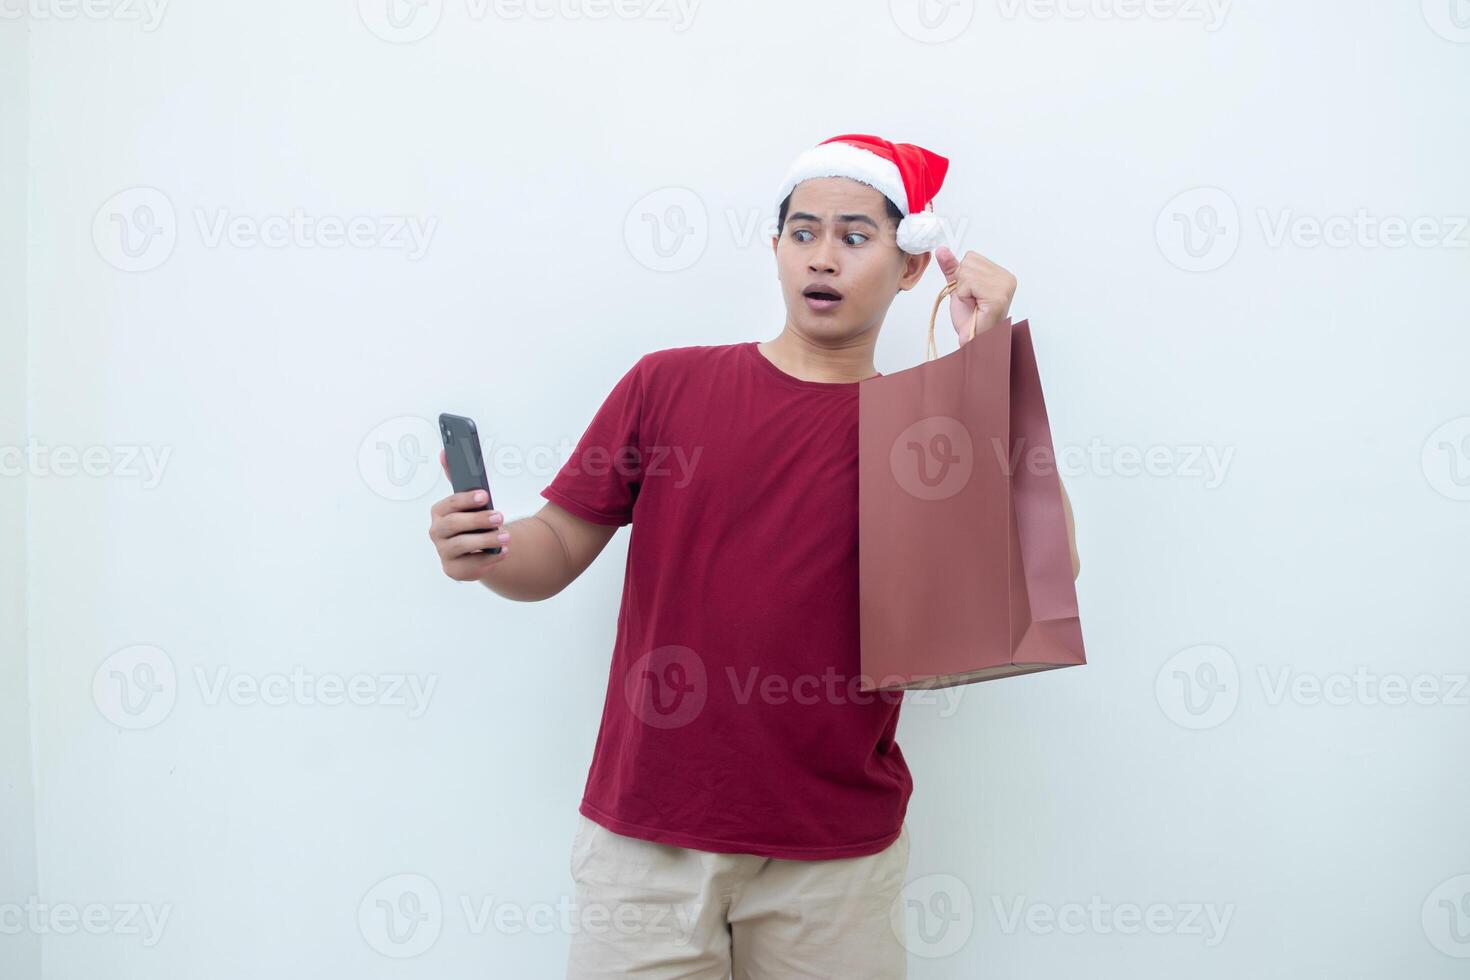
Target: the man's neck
(851, 360)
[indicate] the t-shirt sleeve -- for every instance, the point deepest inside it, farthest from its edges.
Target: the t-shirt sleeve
(601, 479)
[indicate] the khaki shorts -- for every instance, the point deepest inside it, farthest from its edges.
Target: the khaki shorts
(661, 912)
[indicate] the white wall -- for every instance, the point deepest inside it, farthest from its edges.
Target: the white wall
(20, 951)
(261, 381)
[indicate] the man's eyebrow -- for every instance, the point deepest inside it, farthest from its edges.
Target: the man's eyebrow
(842, 218)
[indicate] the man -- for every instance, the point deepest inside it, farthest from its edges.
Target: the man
(744, 812)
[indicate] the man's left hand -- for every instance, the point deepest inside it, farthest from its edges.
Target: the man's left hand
(980, 284)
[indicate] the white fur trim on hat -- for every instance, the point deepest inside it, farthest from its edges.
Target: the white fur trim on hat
(846, 160)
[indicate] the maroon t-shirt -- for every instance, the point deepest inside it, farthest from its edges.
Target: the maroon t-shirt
(733, 720)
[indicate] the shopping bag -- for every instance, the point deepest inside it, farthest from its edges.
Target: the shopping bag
(965, 573)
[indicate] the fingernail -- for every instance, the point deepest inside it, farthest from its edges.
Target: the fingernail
(479, 496)
(503, 536)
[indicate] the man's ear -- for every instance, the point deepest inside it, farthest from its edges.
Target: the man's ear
(913, 269)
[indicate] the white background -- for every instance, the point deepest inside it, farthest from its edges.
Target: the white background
(1132, 168)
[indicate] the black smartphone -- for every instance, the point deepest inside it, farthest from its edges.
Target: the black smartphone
(466, 464)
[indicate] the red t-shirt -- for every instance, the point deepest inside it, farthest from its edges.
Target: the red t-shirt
(733, 720)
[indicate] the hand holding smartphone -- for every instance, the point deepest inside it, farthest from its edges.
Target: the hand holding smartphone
(465, 463)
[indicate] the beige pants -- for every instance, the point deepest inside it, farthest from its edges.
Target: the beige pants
(660, 912)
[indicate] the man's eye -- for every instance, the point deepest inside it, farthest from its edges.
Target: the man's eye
(856, 233)
(798, 233)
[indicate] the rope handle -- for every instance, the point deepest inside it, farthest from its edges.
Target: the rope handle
(949, 287)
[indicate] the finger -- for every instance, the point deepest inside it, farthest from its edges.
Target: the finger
(471, 521)
(464, 544)
(962, 307)
(465, 500)
(947, 262)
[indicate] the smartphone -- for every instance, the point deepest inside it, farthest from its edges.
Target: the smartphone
(466, 464)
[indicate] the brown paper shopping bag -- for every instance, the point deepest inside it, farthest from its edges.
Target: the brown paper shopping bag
(964, 570)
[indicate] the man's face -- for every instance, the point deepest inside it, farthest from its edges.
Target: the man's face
(838, 236)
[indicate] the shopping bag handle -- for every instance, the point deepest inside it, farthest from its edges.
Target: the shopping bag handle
(949, 287)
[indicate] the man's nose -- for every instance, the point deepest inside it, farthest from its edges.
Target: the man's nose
(822, 261)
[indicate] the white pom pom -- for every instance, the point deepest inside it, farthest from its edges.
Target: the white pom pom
(919, 232)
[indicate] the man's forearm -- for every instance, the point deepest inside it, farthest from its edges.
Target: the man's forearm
(1071, 532)
(535, 568)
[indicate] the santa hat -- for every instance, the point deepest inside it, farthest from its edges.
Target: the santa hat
(906, 174)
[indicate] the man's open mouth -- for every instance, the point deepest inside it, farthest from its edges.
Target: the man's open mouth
(821, 297)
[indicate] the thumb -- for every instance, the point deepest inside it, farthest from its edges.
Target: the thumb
(947, 262)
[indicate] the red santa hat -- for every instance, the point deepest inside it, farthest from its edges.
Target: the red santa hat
(906, 174)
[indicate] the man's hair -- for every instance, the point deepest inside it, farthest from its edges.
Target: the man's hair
(894, 214)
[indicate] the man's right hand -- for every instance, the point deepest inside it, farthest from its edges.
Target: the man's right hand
(460, 532)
